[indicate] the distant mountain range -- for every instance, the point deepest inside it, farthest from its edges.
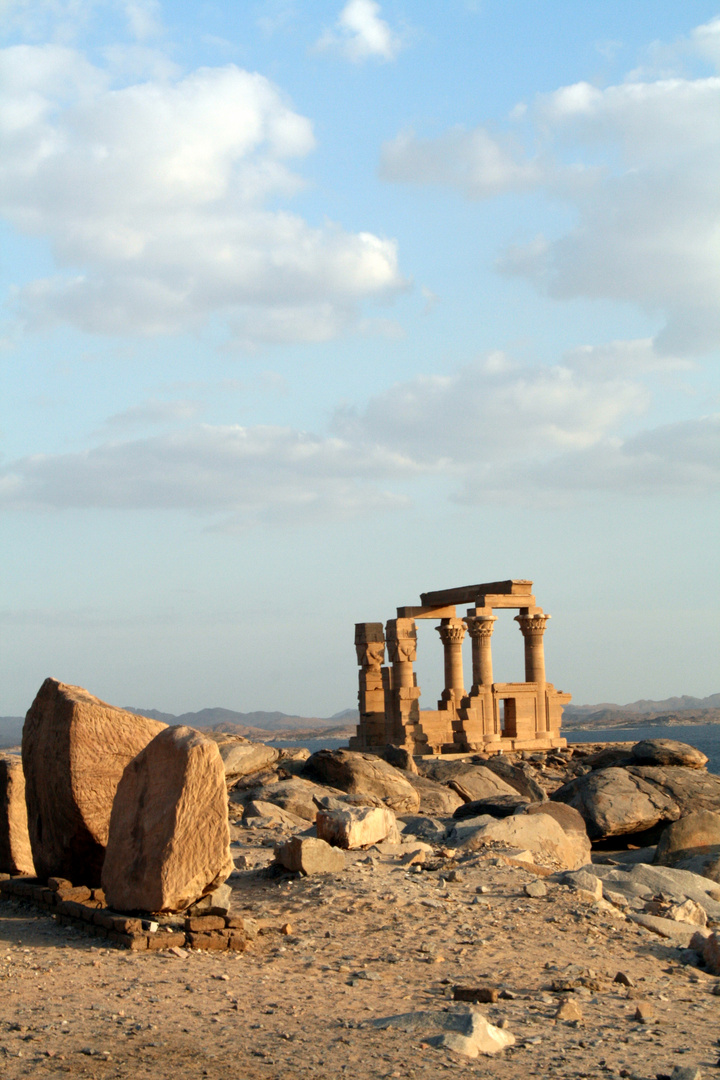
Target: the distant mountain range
(278, 725)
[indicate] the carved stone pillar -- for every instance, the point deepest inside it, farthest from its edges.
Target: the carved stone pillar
(452, 632)
(480, 628)
(533, 628)
(370, 649)
(402, 650)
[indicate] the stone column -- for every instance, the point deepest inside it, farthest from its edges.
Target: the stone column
(370, 649)
(533, 628)
(480, 628)
(452, 632)
(402, 650)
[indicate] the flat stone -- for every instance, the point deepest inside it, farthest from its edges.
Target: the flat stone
(357, 826)
(310, 855)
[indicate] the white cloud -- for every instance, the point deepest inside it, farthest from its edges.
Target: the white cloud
(360, 34)
(494, 430)
(154, 197)
(474, 162)
(638, 163)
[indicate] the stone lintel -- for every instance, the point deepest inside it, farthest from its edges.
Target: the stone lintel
(468, 594)
(515, 688)
(433, 612)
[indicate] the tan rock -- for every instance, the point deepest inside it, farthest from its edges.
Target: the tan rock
(711, 954)
(570, 1012)
(538, 833)
(435, 799)
(357, 827)
(74, 750)
(241, 757)
(169, 837)
(693, 834)
(308, 855)
(15, 853)
(363, 774)
(479, 782)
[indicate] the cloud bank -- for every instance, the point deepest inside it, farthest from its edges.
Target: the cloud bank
(160, 200)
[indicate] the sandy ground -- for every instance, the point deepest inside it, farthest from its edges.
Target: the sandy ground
(375, 941)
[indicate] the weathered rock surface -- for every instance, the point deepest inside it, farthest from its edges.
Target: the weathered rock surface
(296, 796)
(309, 855)
(540, 834)
(498, 806)
(664, 752)
(169, 838)
(616, 801)
(241, 757)
(15, 852)
(363, 774)
(435, 799)
(74, 750)
(691, 789)
(711, 954)
(693, 834)
(463, 1031)
(400, 758)
(273, 814)
(357, 826)
(480, 782)
(518, 775)
(570, 819)
(647, 881)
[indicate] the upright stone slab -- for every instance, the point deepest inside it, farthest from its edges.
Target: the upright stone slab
(169, 841)
(74, 750)
(15, 853)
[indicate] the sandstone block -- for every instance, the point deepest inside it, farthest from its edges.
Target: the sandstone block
(205, 923)
(216, 902)
(213, 939)
(15, 852)
(74, 750)
(169, 839)
(357, 827)
(174, 940)
(308, 855)
(363, 774)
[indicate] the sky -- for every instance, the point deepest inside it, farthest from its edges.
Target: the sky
(310, 307)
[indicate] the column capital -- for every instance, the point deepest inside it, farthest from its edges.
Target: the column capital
(451, 631)
(401, 637)
(480, 626)
(532, 625)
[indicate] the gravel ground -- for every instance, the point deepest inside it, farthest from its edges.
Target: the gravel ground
(378, 940)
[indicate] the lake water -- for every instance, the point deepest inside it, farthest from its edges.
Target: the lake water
(705, 737)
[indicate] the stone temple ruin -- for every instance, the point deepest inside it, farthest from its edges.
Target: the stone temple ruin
(492, 717)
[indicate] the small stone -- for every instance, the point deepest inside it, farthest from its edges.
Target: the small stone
(684, 1072)
(536, 889)
(624, 979)
(569, 1011)
(286, 928)
(644, 1013)
(486, 994)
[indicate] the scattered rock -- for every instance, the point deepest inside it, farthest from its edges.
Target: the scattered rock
(169, 837)
(272, 814)
(497, 806)
(74, 750)
(309, 855)
(644, 1013)
(711, 954)
(486, 995)
(216, 902)
(467, 1033)
(685, 1072)
(623, 979)
(363, 774)
(536, 889)
(15, 852)
(357, 826)
(479, 782)
(665, 752)
(585, 883)
(570, 1012)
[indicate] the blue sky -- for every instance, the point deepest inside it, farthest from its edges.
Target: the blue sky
(311, 307)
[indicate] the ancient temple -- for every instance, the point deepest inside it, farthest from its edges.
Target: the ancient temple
(490, 716)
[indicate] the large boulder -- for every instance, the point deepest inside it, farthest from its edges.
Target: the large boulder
(665, 752)
(241, 757)
(363, 774)
(693, 834)
(15, 852)
(74, 750)
(570, 819)
(169, 839)
(436, 800)
(691, 789)
(615, 801)
(540, 834)
(295, 795)
(480, 782)
(519, 775)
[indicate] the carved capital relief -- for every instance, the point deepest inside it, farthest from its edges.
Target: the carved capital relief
(401, 640)
(451, 632)
(481, 626)
(370, 654)
(532, 626)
